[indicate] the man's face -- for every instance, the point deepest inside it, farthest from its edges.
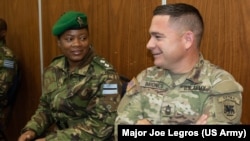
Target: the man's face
(166, 43)
(74, 44)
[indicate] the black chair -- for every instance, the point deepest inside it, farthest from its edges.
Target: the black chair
(7, 111)
(125, 81)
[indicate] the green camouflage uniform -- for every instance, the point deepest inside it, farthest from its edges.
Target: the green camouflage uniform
(8, 69)
(207, 89)
(82, 103)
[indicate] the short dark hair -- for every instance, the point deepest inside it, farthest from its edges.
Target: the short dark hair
(3, 27)
(184, 14)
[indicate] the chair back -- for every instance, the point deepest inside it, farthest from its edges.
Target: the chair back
(12, 92)
(8, 108)
(125, 81)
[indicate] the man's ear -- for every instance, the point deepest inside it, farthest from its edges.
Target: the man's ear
(188, 38)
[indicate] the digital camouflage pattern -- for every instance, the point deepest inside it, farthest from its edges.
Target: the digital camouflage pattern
(207, 89)
(83, 104)
(8, 69)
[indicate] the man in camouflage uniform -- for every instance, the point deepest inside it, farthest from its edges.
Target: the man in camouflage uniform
(8, 67)
(81, 90)
(182, 87)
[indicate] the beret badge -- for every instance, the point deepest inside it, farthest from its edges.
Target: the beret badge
(80, 21)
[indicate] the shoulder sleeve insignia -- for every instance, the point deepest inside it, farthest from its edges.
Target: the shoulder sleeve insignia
(230, 104)
(132, 84)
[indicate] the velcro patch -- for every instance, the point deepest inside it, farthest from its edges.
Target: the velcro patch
(8, 63)
(109, 89)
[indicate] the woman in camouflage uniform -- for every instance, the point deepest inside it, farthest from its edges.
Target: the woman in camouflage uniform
(81, 90)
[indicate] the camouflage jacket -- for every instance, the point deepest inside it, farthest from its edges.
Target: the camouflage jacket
(82, 103)
(207, 89)
(8, 69)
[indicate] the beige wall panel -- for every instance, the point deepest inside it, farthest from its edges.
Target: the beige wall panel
(23, 39)
(129, 24)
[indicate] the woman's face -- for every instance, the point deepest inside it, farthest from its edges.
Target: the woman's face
(74, 44)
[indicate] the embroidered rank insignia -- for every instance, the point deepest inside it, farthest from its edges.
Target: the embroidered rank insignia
(229, 106)
(168, 110)
(104, 63)
(8, 64)
(109, 89)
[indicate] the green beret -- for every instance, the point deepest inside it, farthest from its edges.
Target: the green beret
(70, 20)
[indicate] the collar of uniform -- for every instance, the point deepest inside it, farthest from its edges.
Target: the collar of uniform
(61, 63)
(195, 73)
(83, 67)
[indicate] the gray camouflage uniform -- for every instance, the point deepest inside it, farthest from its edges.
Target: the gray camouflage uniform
(207, 89)
(82, 103)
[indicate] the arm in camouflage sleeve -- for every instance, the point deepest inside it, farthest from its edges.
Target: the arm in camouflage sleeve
(99, 123)
(224, 105)
(130, 108)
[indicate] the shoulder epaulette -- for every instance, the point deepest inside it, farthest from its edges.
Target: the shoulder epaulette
(57, 61)
(6, 52)
(102, 62)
